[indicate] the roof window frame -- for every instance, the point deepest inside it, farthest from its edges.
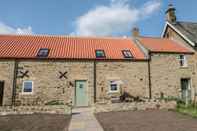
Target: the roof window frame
(104, 56)
(125, 56)
(40, 55)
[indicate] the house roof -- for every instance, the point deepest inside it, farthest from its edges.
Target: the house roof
(163, 45)
(66, 47)
(189, 29)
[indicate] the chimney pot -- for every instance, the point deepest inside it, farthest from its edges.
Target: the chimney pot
(135, 32)
(171, 13)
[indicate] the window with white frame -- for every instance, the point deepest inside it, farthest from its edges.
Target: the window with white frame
(183, 61)
(27, 87)
(114, 86)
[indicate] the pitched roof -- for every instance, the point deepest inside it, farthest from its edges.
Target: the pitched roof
(163, 45)
(65, 47)
(189, 29)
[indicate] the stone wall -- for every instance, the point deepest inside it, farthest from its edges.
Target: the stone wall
(166, 74)
(7, 75)
(133, 77)
(47, 86)
(52, 109)
(148, 105)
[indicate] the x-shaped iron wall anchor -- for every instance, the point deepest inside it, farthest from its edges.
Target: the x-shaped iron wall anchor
(23, 74)
(63, 75)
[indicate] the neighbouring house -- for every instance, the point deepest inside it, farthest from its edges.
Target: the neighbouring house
(38, 70)
(170, 63)
(185, 33)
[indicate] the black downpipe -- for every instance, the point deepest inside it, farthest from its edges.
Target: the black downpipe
(14, 82)
(149, 77)
(94, 81)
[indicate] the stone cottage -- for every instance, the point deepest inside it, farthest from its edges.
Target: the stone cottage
(185, 33)
(39, 70)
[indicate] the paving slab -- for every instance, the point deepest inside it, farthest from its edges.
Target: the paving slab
(83, 119)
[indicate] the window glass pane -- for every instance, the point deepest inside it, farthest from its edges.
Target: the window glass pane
(113, 86)
(100, 53)
(181, 57)
(183, 61)
(127, 54)
(27, 87)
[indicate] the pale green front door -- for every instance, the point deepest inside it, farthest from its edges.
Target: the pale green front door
(81, 98)
(185, 90)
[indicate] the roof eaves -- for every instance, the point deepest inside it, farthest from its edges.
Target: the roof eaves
(171, 52)
(71, 59)
(164, 30)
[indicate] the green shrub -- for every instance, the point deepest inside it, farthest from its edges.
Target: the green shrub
(170, 98)
(189, 109)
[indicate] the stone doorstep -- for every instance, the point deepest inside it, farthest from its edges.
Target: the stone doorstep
(82, 110)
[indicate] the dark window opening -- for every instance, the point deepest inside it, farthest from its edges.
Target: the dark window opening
(167, 35)
(43, 52)
(1, 92)
(100, 54)
(127, 54)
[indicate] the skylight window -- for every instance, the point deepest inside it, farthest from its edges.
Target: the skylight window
(100, 54)
(127, 54)
(43, 52)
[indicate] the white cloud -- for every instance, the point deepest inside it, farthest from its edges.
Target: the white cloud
(5, 29)
(117, 17)
(150, 7)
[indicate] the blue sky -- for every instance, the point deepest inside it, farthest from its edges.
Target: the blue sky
(89, 17)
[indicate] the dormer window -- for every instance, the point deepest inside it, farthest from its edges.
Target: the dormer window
(127, 54)
(43, 52)
(100, 54)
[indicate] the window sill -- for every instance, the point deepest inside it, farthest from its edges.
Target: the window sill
(23, 93)
(184, 67)
(113, 92)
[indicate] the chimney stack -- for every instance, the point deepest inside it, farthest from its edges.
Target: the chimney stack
(171, 14)
(135, 32)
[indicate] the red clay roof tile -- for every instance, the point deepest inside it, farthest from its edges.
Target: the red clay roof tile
(13, 46)
(163, 45)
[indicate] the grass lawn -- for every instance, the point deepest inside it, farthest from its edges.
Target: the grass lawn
(188, 110)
